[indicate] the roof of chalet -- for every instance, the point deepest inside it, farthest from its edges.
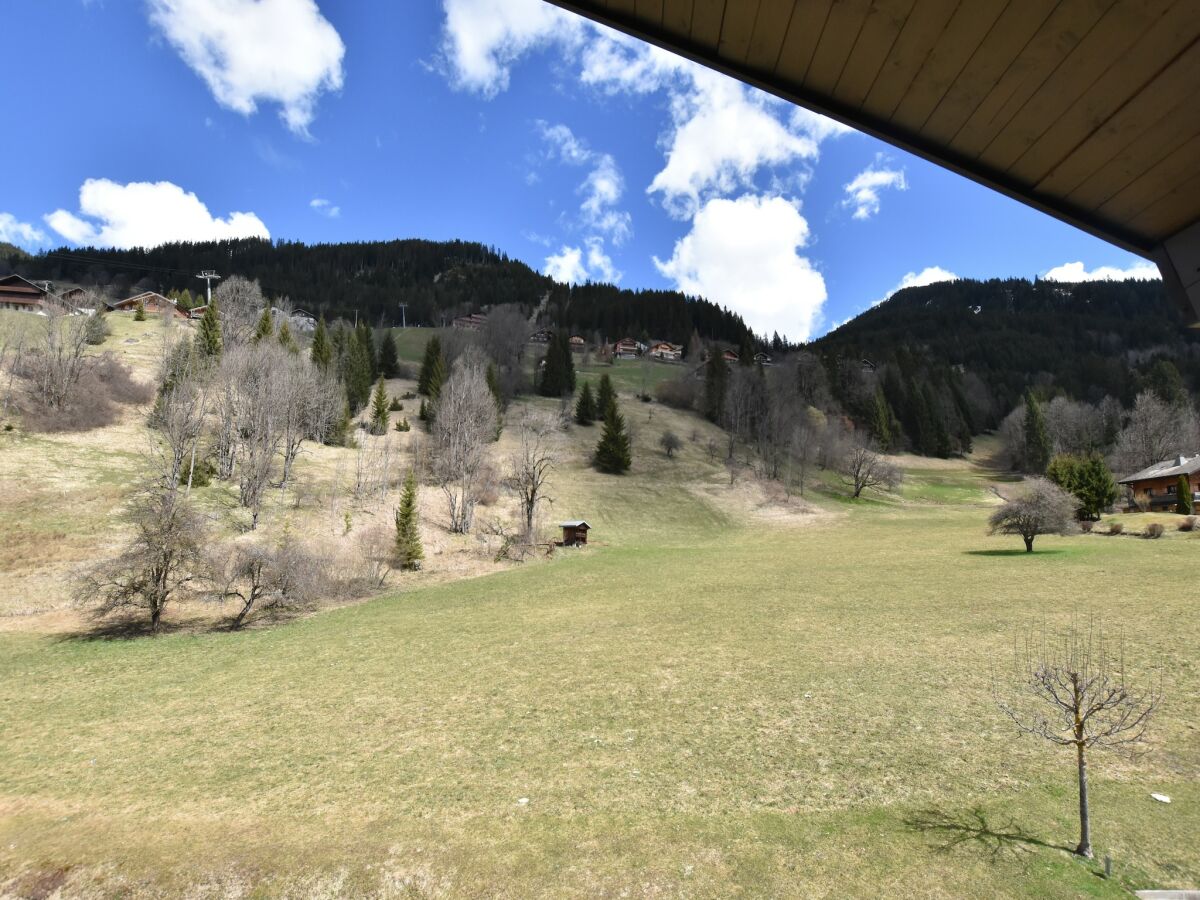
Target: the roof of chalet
(23, 287)
(574, 523)
(1179, 465)
(143, 296)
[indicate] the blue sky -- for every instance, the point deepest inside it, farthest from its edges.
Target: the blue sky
(577, 150)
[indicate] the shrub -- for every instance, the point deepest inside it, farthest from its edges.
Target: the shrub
(97, 329)
(396, 405)
(402, 425)
(92, 401)
(203, 475)
(1188, 523)
(408, 395)
(1086, 526)
(645, 398)
(1153, 530)
(678, 393)
(1116, 528)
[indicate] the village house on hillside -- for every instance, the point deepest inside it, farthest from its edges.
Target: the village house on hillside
(152, 303)
(578, 344)
(22, 295)
(628, 348)
(666, 351)
(1159, 483)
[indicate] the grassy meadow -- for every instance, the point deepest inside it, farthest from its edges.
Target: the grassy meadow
(724, 695)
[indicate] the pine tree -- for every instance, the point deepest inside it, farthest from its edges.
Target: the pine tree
(1183, 491)
(585, 408)
(423, 412)
(285, 337)
(265, 327)
(1037, 439)
(433, 352)
(558, 369)
(364, 337)
(606, 397)
(568, 364)
(493, 383)
(208, 334)
(746, 350)
(881, 421)
(379, 408)
(716, 383)
(409, 552)
(437, 377)
(389, 359)
(139, 314)
(322, 352)
(613, 454)
(356, 375)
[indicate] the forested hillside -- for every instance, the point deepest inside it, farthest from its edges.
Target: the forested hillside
(368, 281)
(941, 362)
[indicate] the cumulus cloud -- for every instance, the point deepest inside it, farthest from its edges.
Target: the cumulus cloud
(325, 207)
(928, 275)
(145, 214)
(251, 51)
(742, 254)
(862, 194)
(566, 265)
(1075, 272)
(22, 234)
(481, 39)
(723, 134)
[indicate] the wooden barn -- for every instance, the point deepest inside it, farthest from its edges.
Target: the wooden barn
(152, 302)
(575, 533)
(21, 294)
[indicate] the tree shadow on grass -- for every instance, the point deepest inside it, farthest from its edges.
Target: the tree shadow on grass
(973, 829)
(121, 630)
(1018, 551)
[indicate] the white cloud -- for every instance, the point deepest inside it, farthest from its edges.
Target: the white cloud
(145, 214)
(1075, 272)
(928, 275)
(481, 39)
(723, 134)
(742, 254)
(247, 51)
(22, 234)
(862, 194)
(602, 189)
(325, 207)
(566, 266)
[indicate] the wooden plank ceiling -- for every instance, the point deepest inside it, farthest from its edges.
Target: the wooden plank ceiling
(1086, 109)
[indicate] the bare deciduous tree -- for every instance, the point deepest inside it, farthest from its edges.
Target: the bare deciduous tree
(670, 443)
(1042, 507)
(266, 577)
(162, 561)
(530, 466)
(58, 357)
(310, 404)
(240, 301)
(1072, 690)
(862, 467)
(464, 426)
(1156, 431)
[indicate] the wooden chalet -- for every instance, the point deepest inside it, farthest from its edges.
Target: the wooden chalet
(154, 304)
(1159, 483)
(575, 533)
(541, 337)
(763, 359)
(628, 348)
(22, 295)
(729, 356)
(665, 350)
(578, 344)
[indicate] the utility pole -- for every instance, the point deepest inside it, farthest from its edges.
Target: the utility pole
(403, 315)
(209, 276)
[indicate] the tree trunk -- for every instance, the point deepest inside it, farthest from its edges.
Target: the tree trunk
(155, 615)
(1028, 545)
(1085, 815)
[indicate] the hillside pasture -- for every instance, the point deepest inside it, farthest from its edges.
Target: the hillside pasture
(697, 704)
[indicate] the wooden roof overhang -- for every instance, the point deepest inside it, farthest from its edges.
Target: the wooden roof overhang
(1088, 110)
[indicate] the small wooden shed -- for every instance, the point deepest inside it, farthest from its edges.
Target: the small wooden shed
(574, 533)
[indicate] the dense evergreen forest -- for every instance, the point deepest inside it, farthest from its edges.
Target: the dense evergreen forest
(948, 360)
(368, 281)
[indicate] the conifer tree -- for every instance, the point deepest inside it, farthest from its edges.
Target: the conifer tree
(558, 369)
(139, 313)
(322, 352)
(716, 383)
(423, 412)
(379, 408)
(356, 375)
(437, 377)
(605, 397)
(389, 358)
(433, 352)
(613, 455)
(493, 383)
(409, 552)
(208, 334)
(285, 337)
(363, 334)
(585, 407)
(1037, 439)
(568, 364)
(265, 327)
(746, 350)
(1183, 491)
(881, 421)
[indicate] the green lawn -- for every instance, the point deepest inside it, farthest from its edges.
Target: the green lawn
(695, 706)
